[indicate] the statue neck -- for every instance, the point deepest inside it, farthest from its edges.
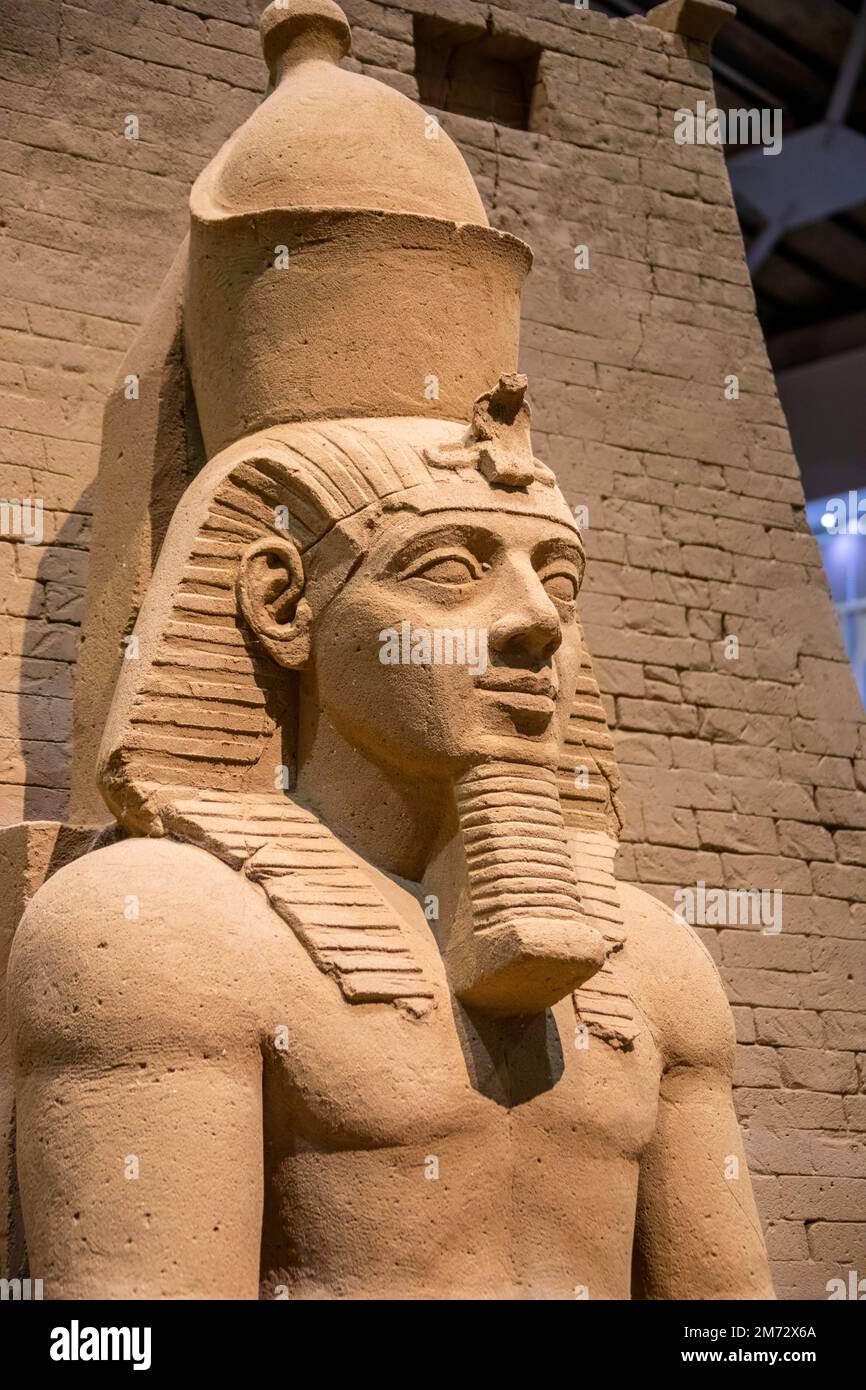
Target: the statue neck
(490, 848)
(395, 821)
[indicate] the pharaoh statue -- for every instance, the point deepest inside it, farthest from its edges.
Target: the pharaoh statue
(350, 1004)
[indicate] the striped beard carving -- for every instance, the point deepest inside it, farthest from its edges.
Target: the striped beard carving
(522, 941)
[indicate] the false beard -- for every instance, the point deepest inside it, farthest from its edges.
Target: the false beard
(518, 940)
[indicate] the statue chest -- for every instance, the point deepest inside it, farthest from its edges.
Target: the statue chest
(505, 1153)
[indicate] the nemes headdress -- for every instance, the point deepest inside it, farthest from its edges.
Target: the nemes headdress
(350, 325)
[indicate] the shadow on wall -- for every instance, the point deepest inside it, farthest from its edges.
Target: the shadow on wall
(56, 570)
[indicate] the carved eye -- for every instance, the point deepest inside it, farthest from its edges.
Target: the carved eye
(561, 585)
(450, 568)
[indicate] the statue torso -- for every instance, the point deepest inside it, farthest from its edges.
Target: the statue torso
(451, 1155)
(446, 1155)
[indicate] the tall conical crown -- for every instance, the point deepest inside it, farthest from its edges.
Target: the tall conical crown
(341, 263)
(329, 138)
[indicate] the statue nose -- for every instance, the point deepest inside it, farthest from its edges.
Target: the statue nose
(530, 631)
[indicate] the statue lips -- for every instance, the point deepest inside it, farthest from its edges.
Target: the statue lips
(529, 694)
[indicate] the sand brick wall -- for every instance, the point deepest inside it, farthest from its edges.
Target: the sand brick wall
(741, 770)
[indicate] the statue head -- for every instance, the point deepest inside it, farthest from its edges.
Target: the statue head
(360, 605)
(451, 637)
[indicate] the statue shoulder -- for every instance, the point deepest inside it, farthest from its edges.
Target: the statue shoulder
(675, 982)
(144, 945)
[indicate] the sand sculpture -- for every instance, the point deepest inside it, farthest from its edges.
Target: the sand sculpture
(352, 1005)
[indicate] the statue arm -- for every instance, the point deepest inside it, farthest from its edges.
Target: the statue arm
(138, 1085)
(698, 1234)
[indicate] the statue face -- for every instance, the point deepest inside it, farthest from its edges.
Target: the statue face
(455, 637)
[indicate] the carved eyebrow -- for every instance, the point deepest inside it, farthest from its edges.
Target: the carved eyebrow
(558, 547)
(469, 536)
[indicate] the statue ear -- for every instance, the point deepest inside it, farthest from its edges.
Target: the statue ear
(270, 592)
